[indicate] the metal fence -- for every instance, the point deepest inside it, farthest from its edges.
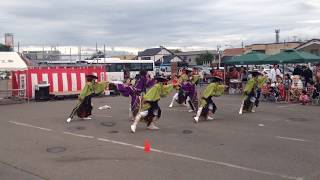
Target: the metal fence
(9, 95)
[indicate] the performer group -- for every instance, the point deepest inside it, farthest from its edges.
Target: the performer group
(145, 93)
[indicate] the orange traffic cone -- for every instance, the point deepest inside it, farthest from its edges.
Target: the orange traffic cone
(147, 146)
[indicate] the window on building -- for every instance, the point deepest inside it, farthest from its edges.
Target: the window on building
(146, 58)
(315, 51)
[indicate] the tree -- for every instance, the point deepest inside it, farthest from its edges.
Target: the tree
(176, 51)
(204, 58)
(5, 48)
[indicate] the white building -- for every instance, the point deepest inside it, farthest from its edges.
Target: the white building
(159, 55)
(191, 56)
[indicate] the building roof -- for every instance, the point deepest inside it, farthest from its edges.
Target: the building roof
(292, 42)
(308, 43)
(233, 52)
(188, 53)
(149, 52)
(167, 59)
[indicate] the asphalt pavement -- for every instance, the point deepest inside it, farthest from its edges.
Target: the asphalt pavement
(279, 141)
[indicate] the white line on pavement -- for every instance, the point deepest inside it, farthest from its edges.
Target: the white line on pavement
(292, 139)
(204, 160)
(78, 135)
(180, 110)
(178, 154)
(28, 125)
(288, 105)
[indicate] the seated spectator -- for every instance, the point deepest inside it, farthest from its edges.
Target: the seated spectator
(296, 88)
(282, 91)
(287, 82)
(316, 92)
(304, 98)
(265, 90)
(310, 88)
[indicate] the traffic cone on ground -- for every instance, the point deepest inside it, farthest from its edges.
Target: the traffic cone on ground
(147, 146)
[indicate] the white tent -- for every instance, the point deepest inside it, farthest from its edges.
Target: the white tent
(10, 61)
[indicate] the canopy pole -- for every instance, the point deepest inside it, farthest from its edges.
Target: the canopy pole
(283, 70)
(224, 74)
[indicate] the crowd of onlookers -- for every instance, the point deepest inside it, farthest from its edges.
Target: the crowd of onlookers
(300, 85)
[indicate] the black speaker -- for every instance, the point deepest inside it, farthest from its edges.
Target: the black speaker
(42, 92)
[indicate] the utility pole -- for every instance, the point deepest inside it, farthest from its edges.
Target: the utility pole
(43, 53)
(219, 58)
(70, 55)
(104, 53)
(79, 53)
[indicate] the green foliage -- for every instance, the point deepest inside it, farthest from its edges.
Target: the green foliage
(204, 58)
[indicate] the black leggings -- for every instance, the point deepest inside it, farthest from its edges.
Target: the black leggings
(153, 111)
(83, 109)
(206, 109)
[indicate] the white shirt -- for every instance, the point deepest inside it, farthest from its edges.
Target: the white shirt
(273, 74)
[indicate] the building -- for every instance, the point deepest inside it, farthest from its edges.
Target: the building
(8, 40)
(125, 57)
(159, 55)
(312, 46)
(271, 48)
(191, 56)
(229, 53)
(53, 55)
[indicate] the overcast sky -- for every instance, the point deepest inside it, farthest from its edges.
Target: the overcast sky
(136, 24)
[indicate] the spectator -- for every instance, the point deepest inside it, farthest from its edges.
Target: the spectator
(243, 76)
(307, 75)
(316, 93)
(274, 72)
(304, 98)
(297, 70)
(310, 88)
(317, 72)
(296, 88)
(234, 74)
(287, 84)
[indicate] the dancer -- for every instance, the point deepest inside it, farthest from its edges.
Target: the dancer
(193, 95)
(84, 106)
(252, 92)
(150, 110)
(136, 91)
(206, 104)
(144, 82)
(128, 89)
(181, 95)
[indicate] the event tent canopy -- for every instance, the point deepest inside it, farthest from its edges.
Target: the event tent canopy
(251, 58)
(10, 61)
(292, 56)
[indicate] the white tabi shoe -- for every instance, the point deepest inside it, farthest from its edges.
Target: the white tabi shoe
(190, 111)
(69, 120)
(104, 107)
(196, 119)
(170, 106)
(210, 118)
(152, 127)
(133, 128)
